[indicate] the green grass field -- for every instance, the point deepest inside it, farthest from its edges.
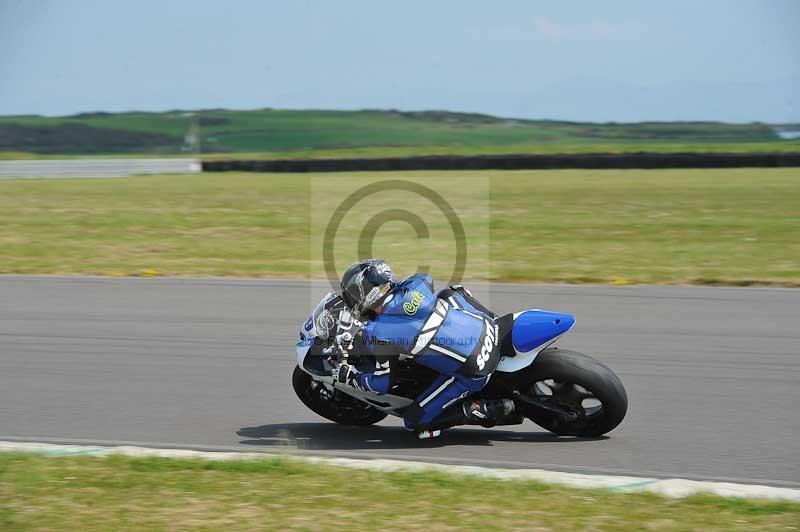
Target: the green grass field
(291, 134)
(119, 493)
(651, 226)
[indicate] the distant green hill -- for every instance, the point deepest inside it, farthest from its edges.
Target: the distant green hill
(283, 133)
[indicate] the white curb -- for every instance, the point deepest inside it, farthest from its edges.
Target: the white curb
(673, 487)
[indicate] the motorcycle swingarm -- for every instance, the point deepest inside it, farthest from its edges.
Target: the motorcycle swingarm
(544, 404)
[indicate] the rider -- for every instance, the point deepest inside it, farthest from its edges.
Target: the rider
(449, 332)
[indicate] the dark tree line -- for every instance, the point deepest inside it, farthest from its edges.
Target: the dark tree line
(73, 137)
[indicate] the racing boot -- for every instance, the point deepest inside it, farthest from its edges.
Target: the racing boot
(428, 434)
(484, 412)
(487, 412)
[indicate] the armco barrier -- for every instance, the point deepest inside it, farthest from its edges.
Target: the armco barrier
(513, 162)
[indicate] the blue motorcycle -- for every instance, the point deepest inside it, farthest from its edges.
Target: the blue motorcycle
(564, 392)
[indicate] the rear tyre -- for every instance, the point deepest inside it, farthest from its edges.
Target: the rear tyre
(342, 408)
(579, 383)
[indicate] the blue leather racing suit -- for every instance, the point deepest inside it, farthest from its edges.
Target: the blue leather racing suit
(449, 332)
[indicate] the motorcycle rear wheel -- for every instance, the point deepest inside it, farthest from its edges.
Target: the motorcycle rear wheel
(343, 409)
(579, 383)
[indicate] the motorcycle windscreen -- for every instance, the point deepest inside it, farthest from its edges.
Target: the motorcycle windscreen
(534, 328)
(322, 322)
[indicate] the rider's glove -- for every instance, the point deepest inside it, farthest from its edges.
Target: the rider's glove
(346, 374)
(344, 342)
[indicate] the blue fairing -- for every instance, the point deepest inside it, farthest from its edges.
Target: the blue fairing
(534, 328)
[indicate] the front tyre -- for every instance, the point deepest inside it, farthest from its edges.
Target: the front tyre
(580, 384)
(342, 408)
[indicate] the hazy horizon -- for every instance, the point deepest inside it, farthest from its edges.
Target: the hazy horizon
(621, 61)
(310, 109)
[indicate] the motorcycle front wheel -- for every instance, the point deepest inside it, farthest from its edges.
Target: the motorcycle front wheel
(341, 408)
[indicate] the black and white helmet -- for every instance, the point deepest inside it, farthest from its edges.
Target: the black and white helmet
(365, 286)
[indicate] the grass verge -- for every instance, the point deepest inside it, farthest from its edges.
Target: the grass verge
(726, 226)
(123, 493)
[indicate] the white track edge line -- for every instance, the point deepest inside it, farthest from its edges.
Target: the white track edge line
(672, 487)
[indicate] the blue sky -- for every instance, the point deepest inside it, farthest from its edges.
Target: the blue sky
(730, 60)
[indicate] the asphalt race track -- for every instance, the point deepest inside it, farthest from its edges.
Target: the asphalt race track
(713, 375)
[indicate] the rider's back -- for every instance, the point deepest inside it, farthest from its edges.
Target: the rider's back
(444, 329)
(394, 330)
